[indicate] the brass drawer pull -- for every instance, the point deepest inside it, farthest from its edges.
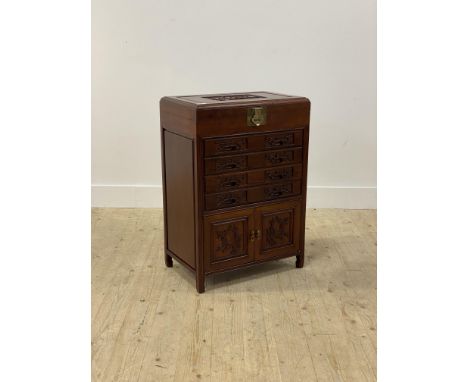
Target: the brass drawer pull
(275, 158)
(277, 176)
(280, 174)
(229, 147)
(230, 164)
(276, 192)
(230, 183)
(279, 141)
(229, 201)
(252, 235)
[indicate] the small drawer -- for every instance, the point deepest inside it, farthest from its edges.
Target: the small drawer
(220, 183)
(252, 195)
(225, 200)
(274, 191)
(225, 146)
(279, 140)
(251, 143)
(275, 158)
(227, 182)
(225, 164)
(276, 174)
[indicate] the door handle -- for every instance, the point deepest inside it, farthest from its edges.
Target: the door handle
(255, 234)
(258, 234)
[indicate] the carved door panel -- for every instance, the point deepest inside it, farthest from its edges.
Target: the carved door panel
(228, 239)
(278, 228)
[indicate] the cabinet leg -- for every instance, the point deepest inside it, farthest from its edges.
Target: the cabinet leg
(300, 260)
(200, 283)
(168, 260)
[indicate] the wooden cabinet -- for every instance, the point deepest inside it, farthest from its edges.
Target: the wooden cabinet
(234, 179)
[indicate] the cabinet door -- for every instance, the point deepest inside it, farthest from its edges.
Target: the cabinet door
(228, 239)
(277, 230)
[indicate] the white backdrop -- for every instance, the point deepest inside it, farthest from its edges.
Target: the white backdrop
(146, 49)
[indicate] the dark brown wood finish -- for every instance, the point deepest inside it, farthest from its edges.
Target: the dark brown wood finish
(234, 189)
(179, 184)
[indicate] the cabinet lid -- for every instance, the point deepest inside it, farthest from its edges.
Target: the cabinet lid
(223, 99)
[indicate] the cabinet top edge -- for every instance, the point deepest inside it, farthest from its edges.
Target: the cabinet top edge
(208, 101)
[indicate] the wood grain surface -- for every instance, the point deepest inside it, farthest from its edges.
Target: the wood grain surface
(272, 322)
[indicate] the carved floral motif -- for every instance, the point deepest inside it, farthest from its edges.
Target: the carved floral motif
(279, 140)
(229, 240)
(277, 231)
(285, 173)
(279, 157)
(273, 192)
(233, 97)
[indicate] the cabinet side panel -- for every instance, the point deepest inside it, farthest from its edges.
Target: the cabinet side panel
(180, 211)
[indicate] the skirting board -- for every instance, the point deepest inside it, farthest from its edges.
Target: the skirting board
(151, 197)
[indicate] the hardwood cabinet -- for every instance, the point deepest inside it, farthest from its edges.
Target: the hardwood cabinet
(234, 179)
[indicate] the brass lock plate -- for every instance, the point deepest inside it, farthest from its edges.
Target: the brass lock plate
(256, 116)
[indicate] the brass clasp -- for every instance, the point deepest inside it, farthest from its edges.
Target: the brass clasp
(256, 116)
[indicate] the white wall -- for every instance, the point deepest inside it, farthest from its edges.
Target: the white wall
(145, 49)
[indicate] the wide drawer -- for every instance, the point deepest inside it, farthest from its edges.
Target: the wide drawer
(252, 195)
(237, 163)
(249, 143)
(234, 181)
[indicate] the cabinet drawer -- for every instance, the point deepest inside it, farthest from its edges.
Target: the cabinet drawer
(276, 174)
(227, 182)
(223, 146)
(226, 200)
(237, 163)
(250, 143)
(252, 195)
(284, 139)
(226, 164)
(274, 158)
(220, 183)
(274, 191)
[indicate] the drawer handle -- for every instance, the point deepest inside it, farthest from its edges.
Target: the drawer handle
(279, 157)
(278, 175)
(230, 184)
(277, 142)
(252, 235)
(231, 147)
(229, 201)
(276, 193)
(230, 166)
(280, 141)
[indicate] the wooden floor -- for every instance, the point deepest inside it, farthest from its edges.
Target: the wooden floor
(272, 322)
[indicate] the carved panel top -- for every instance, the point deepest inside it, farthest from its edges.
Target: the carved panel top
(232, 97)
(235, 98)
